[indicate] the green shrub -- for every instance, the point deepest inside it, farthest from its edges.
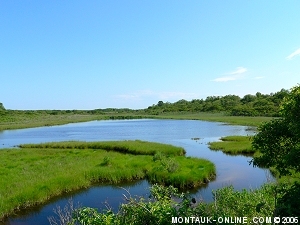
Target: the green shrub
(165, 203)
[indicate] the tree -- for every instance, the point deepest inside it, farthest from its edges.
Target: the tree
(248, 98)
(230, 101)
(279, 96)
(278, 142)
(1, 106)
(160, 103)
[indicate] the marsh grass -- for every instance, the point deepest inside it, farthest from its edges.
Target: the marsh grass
(217, 117)
(18, 119)
(22, 119)
(33, 175)
(234, 145)
(190, 173)
(136, 147)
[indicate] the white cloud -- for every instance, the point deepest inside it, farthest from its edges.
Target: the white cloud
(295, 53)
(235, 75)
(256, 78)
(239, 70)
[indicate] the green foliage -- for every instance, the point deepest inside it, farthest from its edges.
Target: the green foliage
(158, 209)
(166, 202)
(278, 143)
(90, 216)
(231, 203)
(279, 140)
(288, 200)
(249, 105)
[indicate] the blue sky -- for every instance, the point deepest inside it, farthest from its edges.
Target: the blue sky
(131, 54)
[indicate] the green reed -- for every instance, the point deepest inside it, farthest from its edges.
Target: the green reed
(234, 145)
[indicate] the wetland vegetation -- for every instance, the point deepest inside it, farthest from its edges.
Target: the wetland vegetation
(234, 145)
(35, 173)
(277, 144)
(167, 204)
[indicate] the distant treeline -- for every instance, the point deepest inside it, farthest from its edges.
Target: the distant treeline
(66, 112)
(249, 105)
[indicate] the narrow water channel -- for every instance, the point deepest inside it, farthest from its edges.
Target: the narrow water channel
(192, 135)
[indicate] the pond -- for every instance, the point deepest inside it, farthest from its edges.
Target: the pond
(192, 135)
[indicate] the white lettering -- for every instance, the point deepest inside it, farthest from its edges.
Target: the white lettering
(268, 219)
(174, 219)
(259, 219)
(208, 220)
(220, 220)
(192, 218)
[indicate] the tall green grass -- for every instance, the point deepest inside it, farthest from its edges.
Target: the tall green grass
(33, 175)
(18, 119)
(190, 173)
(234, 145)
(136, 147)
(217, 117)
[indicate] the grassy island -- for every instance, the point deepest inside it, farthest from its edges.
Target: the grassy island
(36, 172)
(234, 145)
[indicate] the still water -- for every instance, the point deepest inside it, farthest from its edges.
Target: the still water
(192, 135)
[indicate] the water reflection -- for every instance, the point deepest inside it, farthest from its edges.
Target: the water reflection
(97, 196)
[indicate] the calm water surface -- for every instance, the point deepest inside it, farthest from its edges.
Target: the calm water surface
(231, 170)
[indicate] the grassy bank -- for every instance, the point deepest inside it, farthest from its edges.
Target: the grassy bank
(233, 145)
(217, 117)
(34, 174)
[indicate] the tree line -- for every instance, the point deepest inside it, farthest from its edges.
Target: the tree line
(249, 105)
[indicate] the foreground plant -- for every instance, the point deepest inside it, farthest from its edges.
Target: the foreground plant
(166, 205)
(278, 142)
